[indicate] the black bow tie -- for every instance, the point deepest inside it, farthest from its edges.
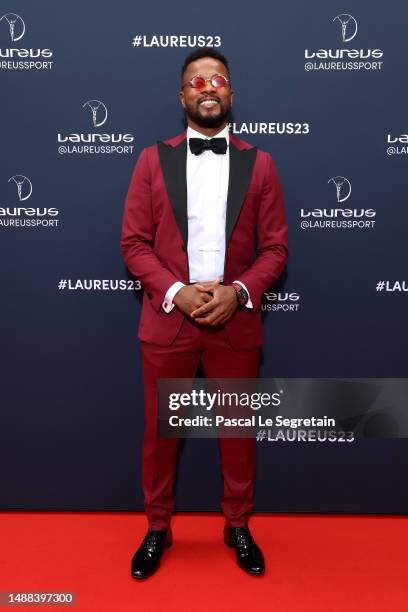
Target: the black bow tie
(217, 145)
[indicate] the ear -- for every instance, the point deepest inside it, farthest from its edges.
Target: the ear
(232, 96)
(181, 98)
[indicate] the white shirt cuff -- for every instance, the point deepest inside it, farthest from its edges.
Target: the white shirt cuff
(167, 303)
(249, 303)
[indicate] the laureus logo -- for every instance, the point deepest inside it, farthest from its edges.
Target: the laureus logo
(23, 215)
(346, 57)
(281, 301)
(24, 186)
(348, 26)
(98, 110)
(14, 57)
(16, 26)
(338, 216)
(343, 187)
(95, 142)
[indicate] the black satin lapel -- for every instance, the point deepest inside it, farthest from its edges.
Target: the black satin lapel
(240, 172)
(173, 165)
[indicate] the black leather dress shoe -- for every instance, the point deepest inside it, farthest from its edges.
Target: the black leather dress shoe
(146, 559)
(249, 555)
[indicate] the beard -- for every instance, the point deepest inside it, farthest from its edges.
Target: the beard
(208, 118)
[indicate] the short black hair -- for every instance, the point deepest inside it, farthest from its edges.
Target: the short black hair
(204, 52)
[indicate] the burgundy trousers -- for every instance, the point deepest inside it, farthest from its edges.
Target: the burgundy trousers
(159, 455)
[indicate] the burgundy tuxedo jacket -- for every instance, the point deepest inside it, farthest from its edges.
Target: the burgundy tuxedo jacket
(155, 234)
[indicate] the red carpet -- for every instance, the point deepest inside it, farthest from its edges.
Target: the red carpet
(313, 563)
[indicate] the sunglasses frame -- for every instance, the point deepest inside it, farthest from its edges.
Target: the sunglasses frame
(227, 81)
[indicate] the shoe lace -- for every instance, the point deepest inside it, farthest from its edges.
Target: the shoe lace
(243, 537)
(151, 540)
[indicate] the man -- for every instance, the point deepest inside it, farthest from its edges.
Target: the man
(205, 232)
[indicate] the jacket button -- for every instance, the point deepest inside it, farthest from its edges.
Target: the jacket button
(183, 248)
(149, 295)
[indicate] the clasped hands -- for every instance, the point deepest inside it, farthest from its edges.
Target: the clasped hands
(209, 303)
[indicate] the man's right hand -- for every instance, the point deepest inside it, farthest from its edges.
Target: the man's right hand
(190, 297)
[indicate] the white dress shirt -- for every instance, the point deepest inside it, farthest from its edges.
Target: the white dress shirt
(207, 190)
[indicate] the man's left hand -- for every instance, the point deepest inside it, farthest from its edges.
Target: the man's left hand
(218, 310)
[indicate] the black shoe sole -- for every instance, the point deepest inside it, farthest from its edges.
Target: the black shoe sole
(252, 573)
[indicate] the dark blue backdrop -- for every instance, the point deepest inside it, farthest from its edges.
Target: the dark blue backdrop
(71, 396)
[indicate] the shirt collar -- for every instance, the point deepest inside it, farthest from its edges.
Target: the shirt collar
(224, 133)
